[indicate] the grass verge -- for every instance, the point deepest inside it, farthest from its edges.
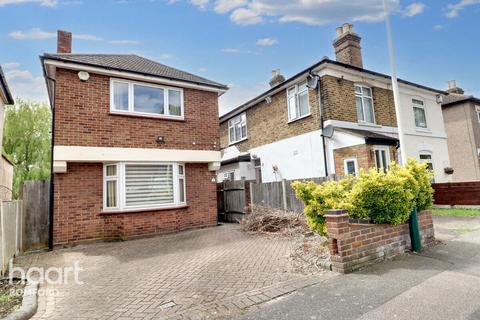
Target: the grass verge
(456, 212)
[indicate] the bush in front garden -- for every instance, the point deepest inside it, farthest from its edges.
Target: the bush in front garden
(376, 196)
(321, 197)
(383, 197)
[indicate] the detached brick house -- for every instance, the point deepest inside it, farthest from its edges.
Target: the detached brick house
(136, 146)
(462, 122)
(333, 117)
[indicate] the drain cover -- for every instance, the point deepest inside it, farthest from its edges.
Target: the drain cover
(168, 305)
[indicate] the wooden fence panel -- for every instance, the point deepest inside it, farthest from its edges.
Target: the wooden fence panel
(35, 215)
(457, 193)
(271, 194)
(10, 230)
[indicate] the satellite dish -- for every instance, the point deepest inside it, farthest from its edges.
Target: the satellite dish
(312, 81)
(328, 131)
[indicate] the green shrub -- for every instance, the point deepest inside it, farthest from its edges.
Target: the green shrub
(319, 198)
(383, 197)
(423, 176)
(377, 196)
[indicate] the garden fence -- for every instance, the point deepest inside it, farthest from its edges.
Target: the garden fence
(10, 231)
(457, 193)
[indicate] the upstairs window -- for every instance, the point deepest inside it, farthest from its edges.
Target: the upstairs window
(419, 114)
(364, 103)
(237, 128)
(145, 99)
(298, 105)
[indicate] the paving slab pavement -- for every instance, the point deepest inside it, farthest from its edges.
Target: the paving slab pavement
(442, 283)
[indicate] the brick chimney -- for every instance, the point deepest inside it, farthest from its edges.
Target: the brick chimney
(277, 78)
(347, 46)
(64, 42)
(452, 88)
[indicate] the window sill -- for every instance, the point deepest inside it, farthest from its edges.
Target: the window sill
(423, 130)
(297, 119)
(149, 116)
(367, 124)
(236, 142)
(142, 210)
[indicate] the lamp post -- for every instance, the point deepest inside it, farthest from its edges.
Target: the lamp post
(396, 91)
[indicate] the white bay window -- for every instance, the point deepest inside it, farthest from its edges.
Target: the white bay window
(143, 185)
(145, 99)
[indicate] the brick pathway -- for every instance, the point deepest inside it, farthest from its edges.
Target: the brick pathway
(208, 273)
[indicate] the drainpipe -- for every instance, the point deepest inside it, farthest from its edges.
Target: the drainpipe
(52, 184)
(322, 122)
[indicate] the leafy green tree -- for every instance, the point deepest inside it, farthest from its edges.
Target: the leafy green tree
(26, 141)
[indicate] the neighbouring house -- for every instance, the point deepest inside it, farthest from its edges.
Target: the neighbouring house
(136, 146)
(6, 166)
(334, 117)
(461, 114)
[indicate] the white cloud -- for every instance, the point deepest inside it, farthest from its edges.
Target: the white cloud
(32, 34)
(45, 3)
(202, 70)
(453, 10)
(438, 27)
(86, 37)
(124, 42)
(202, 4)
(267, 42)
(414, 9)
(244, 16)
(25, 85)
(10, 65)
(238, 94)
(224, 6)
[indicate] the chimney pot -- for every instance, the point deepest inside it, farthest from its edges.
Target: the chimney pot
(277, 78)
(347, 46)
(64, 42)
(452, 88)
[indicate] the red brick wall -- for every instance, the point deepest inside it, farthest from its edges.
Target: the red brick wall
(353, 244)
(82, 118)
(79, 201)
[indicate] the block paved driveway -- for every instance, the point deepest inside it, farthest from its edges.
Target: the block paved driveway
(209, 273)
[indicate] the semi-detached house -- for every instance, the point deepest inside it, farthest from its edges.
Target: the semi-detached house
(334, 117)
(135, 148)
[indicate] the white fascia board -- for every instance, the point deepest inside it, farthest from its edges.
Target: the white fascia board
(102, 154)
(129, 75)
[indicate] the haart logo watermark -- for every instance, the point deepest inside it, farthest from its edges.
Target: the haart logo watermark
(49, 276)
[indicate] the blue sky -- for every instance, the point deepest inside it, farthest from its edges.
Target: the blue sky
(239, 42)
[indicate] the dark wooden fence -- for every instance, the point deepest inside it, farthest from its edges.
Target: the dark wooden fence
(233, 200)
(457, 193)
(280, 194)
(35, 215)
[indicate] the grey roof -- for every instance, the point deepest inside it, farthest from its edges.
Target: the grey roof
(456, 98)
(135, 64)
(5, 89)
(325, 60)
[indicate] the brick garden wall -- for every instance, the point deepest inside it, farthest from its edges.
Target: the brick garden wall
(79, 201)
(354, 244)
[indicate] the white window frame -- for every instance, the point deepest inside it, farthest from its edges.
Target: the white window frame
(345, 167)
(226, 175)
(131, 96)
(477, 111)
(121, 196)
(387, 157)
(296, 95)
(362, 96)
(231, 124)
(422, 106)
